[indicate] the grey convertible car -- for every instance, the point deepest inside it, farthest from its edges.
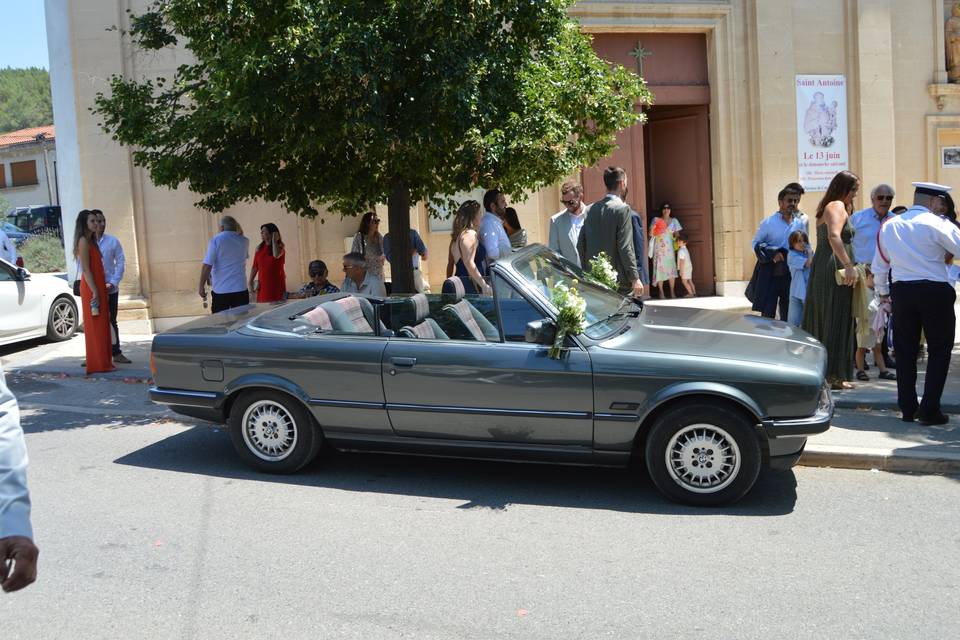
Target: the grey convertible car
(703, 398)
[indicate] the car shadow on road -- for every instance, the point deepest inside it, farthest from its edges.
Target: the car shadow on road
(478, 484)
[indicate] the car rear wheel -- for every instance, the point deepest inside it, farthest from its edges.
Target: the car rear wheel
(273, 432)
(703, 455)
(62, 319)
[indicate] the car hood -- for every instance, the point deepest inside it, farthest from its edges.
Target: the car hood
(719, 334)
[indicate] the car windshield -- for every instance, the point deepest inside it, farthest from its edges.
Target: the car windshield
(606, 310)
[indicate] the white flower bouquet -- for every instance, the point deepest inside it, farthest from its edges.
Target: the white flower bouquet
(571, 316)
(602, 271)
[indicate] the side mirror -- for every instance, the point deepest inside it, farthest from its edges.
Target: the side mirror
(22, 274)
(541, 332)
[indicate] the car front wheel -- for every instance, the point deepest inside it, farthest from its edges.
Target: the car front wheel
(62, 319)
(703, 455)
(273, 432)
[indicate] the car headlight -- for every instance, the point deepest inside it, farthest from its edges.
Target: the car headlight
(825, 404)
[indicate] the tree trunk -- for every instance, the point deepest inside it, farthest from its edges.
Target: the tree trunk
(398, 215)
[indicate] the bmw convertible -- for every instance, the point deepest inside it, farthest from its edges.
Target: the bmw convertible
(702, 399)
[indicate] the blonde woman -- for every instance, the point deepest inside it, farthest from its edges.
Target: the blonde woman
(467, 251)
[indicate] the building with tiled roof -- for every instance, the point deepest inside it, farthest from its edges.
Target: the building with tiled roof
(28, 166)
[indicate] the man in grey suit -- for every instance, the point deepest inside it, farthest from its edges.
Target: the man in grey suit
(16, 535)
(608, 228)
(565, 226)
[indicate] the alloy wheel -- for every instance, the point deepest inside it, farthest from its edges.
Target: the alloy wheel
(269, 430)
(702, 458)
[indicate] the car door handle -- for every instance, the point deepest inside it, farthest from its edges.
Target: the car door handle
(403, 362)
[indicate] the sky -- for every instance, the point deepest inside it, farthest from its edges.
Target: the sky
(24, 41)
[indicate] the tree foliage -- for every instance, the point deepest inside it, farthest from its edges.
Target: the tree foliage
(349, 103)
(24, 99)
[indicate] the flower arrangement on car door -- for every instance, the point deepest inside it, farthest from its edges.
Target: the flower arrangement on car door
(571, 318)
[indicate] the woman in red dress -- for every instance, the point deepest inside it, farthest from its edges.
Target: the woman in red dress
(93, 294)
(268, 264)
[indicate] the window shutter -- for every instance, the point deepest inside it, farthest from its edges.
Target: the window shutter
(23, 173)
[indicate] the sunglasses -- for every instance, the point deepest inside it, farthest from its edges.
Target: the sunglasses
(377, 220)
(568, 202)
(884, 197)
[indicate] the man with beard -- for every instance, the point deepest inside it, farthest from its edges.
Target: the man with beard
(608, 228)
(771, 244)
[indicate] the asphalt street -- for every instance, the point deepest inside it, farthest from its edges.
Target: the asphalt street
(151, 527)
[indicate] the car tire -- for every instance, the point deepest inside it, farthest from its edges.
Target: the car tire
(273, 431)
(62, 319)
(703, 455)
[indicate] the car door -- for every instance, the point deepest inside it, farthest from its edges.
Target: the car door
(22, 305)
(506, 391)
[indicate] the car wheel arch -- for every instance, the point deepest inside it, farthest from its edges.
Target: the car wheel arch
(667, 401)
(263, 381)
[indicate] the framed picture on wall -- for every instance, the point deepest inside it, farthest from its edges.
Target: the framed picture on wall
(950, 157)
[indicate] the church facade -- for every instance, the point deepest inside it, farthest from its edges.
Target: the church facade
(749, 95)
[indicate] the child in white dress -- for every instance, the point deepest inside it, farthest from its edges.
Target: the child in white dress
(684, 265)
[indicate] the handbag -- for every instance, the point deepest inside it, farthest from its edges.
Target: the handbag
(76, 287)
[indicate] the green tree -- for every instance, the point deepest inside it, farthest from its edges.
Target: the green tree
(24, 99)
(357, 102)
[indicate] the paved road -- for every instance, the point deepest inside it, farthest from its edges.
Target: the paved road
(150, 527)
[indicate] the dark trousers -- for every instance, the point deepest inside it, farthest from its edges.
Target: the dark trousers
(113, 301)
(778, 295)
(224, 301)
(928, 306)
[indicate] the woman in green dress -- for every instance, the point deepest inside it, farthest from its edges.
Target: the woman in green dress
(828, 311)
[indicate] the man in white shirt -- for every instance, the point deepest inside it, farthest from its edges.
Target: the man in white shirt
(113, 266)
(225, 267)
(911, 252)
(565, 226)
(358, 279)
(16, 534)
(8, 250)
(494, 237)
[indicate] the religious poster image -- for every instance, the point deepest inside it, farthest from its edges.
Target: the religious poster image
(821, 129)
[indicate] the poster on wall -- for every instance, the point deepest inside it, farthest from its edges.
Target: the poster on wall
(821, 130)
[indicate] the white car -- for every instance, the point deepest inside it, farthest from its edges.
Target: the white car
(34, 306)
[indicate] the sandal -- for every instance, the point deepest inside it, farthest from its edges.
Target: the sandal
(888, 375)
(862, 375)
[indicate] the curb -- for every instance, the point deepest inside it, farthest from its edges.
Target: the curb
(129, 376)
(891, 405)
(902, 460)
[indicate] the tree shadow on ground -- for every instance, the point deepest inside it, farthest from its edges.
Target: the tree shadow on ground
(479, 484)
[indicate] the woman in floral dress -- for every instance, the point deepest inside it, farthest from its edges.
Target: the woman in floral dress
(663, 233)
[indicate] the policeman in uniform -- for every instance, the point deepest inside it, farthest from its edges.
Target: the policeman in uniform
(911, 251)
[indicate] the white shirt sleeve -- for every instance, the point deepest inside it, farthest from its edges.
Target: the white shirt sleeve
(121, 265)
(14, 497)
(211, 256)
(881, 270)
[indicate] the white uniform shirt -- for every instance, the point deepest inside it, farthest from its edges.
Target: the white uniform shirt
(227, 255)
(913, 246)
(114, 262)
(14, 497)
(8, 250)
(494, 237)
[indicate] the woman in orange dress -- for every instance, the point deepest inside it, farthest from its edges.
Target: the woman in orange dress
(93, 294)
(268, 265)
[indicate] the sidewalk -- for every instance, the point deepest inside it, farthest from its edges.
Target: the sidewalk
(866, 434)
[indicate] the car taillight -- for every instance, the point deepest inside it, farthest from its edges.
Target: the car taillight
(153, 366)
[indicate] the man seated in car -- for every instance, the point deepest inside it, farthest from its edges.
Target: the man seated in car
(318, 285)
(358, 280)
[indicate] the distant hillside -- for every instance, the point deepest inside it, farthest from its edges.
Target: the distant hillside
(24, 99)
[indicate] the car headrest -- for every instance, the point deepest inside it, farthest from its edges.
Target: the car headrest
(452, 290)
(421, 307)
